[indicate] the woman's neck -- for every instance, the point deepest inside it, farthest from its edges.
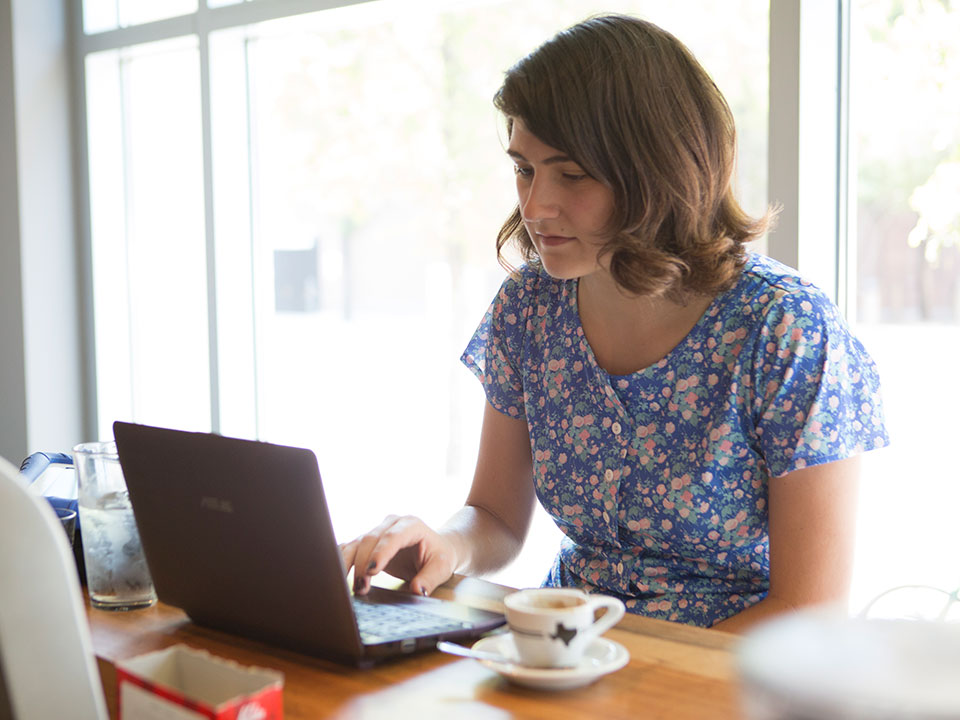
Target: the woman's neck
(627, 332)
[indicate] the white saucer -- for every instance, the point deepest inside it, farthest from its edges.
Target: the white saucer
(601, 657)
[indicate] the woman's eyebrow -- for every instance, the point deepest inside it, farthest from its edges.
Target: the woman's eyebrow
(552, 160)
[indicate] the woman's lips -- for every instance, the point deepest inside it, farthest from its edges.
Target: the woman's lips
(553, 240)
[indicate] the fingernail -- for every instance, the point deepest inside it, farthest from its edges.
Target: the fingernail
(423, 591)
(372, 565)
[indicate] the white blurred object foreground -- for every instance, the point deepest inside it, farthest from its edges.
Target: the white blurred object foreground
(818, 665)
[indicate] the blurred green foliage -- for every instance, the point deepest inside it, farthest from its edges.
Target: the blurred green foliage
(906, 94)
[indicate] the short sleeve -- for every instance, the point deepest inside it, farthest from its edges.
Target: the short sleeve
(494, 352)
(817, 391)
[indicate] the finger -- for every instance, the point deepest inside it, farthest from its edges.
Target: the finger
(362, 564)
(405, 532)
(434, 573)
(363, 547)
(348, 552)
(438, 565)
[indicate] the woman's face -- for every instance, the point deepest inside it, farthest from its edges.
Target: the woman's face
(564, 210)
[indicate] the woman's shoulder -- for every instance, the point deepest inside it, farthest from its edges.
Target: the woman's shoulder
(762, 271)
(767, 284)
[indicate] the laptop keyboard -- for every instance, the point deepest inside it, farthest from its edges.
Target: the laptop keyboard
(380, 623)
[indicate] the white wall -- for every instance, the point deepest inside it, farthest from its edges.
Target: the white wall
(41, 389)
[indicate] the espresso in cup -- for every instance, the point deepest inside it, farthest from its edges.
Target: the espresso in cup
(553, 627)
(553, 603)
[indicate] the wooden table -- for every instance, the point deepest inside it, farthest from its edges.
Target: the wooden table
(675, 671)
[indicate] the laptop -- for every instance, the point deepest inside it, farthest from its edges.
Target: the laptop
(237, 534)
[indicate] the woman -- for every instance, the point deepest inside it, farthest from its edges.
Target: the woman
(688, 413)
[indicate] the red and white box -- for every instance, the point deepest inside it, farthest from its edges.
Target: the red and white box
(182, 683)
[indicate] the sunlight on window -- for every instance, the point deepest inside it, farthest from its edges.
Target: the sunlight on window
(147, 229)
(905, 105)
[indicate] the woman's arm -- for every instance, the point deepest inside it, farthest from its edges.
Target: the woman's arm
(812, 514)
(483, 536)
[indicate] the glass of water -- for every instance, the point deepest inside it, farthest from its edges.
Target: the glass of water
(117, 574)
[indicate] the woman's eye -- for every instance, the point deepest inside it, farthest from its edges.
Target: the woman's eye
(574, 176)
(522, 171)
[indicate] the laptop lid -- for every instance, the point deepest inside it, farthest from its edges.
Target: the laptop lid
(237, 534)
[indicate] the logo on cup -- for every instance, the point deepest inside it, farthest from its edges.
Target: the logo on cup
(562, 633)
(553, 627)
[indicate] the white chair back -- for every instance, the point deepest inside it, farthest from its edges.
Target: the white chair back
(46, 657)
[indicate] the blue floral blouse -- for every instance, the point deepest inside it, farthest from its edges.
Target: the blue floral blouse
(658, 479)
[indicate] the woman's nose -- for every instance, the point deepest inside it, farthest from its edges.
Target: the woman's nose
(538, 202)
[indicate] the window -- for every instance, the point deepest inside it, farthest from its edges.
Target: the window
(905, 101)
(310, 273)
(146, 209)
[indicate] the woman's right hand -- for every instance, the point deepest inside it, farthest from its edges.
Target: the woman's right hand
(481, 537)
(405, 547)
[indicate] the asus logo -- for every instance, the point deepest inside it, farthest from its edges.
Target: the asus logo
(216, 504)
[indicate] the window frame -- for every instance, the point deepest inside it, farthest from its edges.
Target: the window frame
(808, 140)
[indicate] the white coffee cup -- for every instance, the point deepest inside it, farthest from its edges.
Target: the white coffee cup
(552, 627)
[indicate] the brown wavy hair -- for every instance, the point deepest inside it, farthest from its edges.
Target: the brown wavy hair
(632, 106)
